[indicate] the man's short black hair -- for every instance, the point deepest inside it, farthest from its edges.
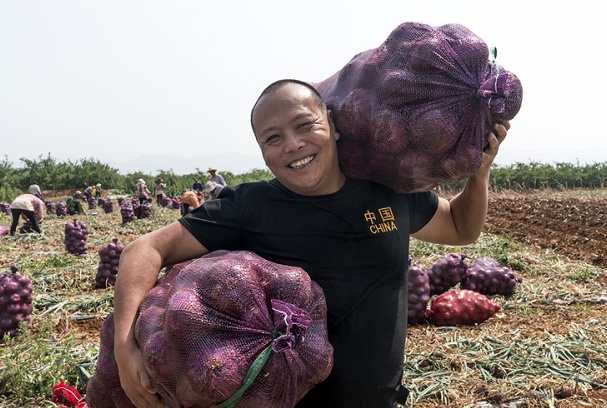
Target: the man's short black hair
(275, 85)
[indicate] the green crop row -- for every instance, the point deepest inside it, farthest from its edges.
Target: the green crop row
(536, 175)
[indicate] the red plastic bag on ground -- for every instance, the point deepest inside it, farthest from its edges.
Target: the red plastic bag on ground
(460, 306)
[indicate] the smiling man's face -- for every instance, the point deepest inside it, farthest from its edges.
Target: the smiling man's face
(298, 141)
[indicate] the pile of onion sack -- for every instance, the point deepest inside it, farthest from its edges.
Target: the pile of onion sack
(228, 328)
(415, 112)
(467, 305)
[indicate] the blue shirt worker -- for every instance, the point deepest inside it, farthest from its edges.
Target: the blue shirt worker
(197, 186)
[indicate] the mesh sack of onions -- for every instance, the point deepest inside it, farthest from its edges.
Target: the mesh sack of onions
(209, 323)
(166, 201)
(50, 206)
(418, 295)
(28, 227)
(127, 213)
(136, 210)
(109, 256)
(76, 234)
(415, 112)
(61, 208)
(15, 302)
(5, 208)
(176, 203)
(143, 210)
(446, 273)
(108, 205)
(92, 203)
(488, 277)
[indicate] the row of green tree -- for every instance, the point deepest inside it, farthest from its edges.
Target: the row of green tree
(537, 175)
(51, 174)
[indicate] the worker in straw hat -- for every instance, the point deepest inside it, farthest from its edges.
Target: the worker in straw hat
(216, 177)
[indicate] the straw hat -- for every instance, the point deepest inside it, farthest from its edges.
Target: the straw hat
(210, 186)
(211, 169)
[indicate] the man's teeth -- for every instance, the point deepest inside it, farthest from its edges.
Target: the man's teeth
(301, 163)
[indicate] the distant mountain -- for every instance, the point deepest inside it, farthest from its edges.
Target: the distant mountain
(236, 163)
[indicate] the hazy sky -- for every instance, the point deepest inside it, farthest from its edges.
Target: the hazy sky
(119, 79)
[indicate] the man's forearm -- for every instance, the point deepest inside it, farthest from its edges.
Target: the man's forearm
(469, 207)
(137, 274)
(138, 270)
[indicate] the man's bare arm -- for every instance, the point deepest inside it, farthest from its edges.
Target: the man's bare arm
(138, 270)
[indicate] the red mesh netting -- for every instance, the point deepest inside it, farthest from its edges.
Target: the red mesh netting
(205, 322)
(415, 112)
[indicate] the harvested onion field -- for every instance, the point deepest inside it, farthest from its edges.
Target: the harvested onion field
(546, 347)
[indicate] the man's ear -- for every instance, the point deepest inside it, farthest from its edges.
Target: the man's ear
(332, 124)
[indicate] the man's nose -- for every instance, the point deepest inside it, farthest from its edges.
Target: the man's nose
(294, 142)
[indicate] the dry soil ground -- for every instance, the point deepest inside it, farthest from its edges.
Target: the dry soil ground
(574, 225)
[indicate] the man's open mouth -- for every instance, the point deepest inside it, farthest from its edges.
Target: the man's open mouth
(299, 164)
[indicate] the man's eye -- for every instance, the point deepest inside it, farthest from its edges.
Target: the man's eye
(272, 138)
(304, 125)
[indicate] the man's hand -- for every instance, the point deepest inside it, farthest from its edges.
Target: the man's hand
(135, 381)
(140, 262)
(494, 140)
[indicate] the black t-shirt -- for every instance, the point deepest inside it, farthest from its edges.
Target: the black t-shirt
(354, 244)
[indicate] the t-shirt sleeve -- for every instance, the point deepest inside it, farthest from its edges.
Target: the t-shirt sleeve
(215, 224)
(422, 208)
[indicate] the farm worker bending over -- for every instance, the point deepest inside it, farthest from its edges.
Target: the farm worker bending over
(29, 207)
(215, 177)
(312, 216)
(74, 204)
